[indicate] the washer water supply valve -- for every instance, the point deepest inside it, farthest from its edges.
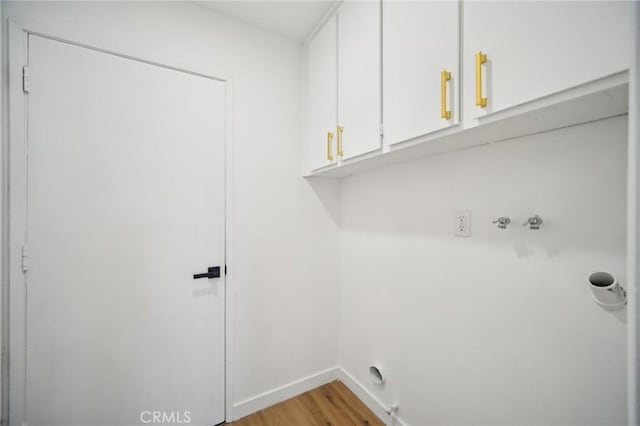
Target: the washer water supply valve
(502, 222)
(534, 222)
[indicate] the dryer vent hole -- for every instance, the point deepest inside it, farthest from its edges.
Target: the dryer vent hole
(601, 279)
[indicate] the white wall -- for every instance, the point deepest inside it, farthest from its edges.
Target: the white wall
(286, 235)
(499, 328)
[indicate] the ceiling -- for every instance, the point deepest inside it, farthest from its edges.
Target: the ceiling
(292, 19)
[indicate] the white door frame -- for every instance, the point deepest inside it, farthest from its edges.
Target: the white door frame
(14, 223)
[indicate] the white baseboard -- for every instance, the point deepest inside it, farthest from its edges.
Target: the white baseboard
(370, 400)
(282, 393)
(279, 394)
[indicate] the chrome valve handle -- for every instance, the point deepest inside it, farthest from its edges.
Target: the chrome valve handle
(534, 222)
(502, 222)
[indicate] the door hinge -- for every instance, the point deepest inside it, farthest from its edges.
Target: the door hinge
(225, 269)
(26, 79)
(381, 129)
(25, 259)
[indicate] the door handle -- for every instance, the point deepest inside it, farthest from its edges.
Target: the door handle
(481, 58)
(329, 149)
(444, 77)
(212, 272)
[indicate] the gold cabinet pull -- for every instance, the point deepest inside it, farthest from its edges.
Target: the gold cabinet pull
(340, 152)
(329, 149)
(444, 77)
(481, 58)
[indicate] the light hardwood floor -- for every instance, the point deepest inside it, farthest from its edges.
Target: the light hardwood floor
(330, 405)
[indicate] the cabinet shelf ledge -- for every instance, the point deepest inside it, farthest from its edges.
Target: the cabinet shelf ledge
(603, 98)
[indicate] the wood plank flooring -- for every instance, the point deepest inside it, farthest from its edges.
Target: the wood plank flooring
(330, 405)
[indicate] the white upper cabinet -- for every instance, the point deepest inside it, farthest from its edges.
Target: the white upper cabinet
(359, 82)
(320, 98)
(534, 49)
(386, 72)
(420, 49)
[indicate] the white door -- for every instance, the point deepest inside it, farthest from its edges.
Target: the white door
(536, 48)
(126, 169)
(320, 95)
(419, 42)
(359, 106)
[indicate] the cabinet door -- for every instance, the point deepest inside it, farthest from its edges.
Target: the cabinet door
(419, 41)
(534, 49)
(359, 77)
(320, 95)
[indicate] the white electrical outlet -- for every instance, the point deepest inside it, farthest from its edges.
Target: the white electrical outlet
(463, 223)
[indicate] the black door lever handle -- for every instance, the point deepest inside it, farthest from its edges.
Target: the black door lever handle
(213, 272)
